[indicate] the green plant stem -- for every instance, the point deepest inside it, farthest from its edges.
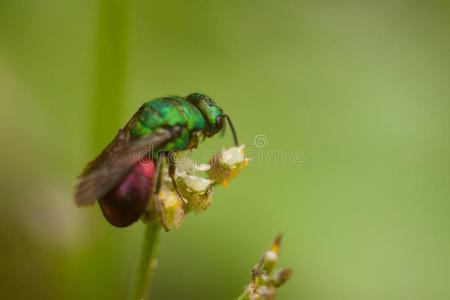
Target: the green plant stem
(147, 262)
(110, 68)
(244, 296)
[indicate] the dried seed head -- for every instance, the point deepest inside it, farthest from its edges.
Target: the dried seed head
(264, 282)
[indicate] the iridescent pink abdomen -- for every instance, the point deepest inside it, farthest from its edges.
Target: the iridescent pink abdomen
(126, 203)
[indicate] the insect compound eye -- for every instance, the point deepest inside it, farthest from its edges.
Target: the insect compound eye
(219, 123)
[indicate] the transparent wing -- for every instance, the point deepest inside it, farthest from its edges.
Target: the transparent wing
(114, 163)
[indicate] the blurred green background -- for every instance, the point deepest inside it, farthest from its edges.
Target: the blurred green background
(361, 88)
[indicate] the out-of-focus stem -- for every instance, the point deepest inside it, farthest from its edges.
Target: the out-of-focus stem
(110, 64)
(147, 262)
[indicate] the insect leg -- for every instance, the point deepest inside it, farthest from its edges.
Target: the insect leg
(157, 199)
(172, 168)
(193, 143)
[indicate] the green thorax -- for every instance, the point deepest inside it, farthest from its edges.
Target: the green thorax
(167, 112)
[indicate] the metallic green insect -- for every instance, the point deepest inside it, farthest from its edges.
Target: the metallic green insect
(128, 172)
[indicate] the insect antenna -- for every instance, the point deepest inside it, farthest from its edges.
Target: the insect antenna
(232, 130)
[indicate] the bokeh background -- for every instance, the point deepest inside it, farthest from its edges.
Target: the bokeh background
(360, 88)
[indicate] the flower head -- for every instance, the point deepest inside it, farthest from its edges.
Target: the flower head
(172, 207)
(198, 191)
(227, 164)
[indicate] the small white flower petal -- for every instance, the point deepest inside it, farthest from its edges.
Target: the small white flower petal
(196, 183)
(203, 167)
(186, 166)
(233, 155)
